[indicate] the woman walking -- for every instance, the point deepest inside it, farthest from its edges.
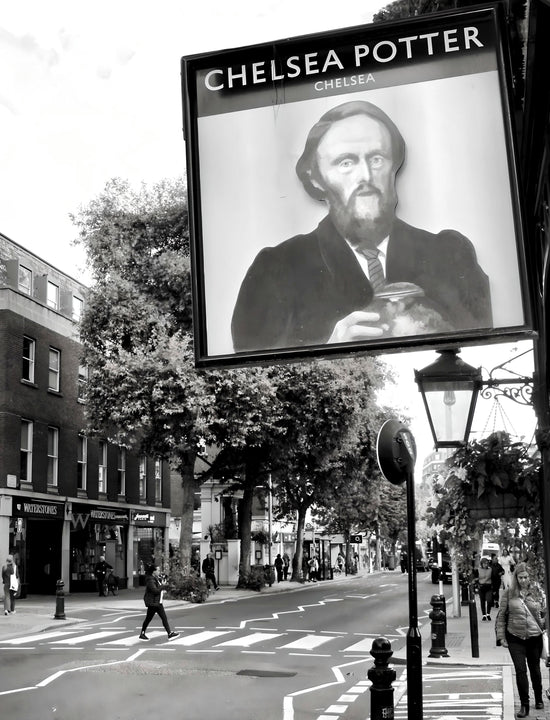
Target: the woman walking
(519, 627)
(485, 588)
(153, 601)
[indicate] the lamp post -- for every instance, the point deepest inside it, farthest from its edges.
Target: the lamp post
(396, 451)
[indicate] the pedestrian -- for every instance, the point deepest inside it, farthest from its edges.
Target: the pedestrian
(340, 562)
(10, 581)
(279, 567)
(100, 570)
(286, 565)
(305, 568)
(519, 627)
(403, 561)
(507, 562)
(208, 570)
(497, 571)
(485, 588)
(154, 591)
(314, 568)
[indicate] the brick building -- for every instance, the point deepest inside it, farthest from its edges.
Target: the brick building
(65, 498)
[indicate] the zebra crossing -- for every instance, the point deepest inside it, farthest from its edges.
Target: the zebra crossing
(196, 639)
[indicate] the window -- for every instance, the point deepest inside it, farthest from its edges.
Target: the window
(53, 455)
(78, 304)
(82, 381)
(25, 471)
(81, 462)
(158, 480)
(29, 346)
(52, 295)
(24, 280)
(102, 477)
(142, 477)
(121, 470)
(54, 368)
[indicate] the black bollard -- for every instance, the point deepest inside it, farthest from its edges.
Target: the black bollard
(437, 617)
(381, 676)
(59, 601)
(474, 631)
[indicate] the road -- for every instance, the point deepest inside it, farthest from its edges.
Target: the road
(288, 656)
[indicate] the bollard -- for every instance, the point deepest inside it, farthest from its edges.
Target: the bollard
(464, 593)
(59, 600)
(381, 676)
(437, 616)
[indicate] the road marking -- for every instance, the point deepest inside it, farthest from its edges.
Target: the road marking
(38, 637)
(309, 642)
(361, 646)
(249, 640)
(134, 639)
(86, 638)
(199, 637)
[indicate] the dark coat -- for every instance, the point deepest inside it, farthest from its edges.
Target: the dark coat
(153, 589)
(294, 293)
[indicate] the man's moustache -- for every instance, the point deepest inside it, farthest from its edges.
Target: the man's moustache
(364, 190)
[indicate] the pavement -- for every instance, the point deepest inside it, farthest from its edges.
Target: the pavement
(36, 614)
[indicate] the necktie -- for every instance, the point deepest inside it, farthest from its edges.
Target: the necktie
(376, 272)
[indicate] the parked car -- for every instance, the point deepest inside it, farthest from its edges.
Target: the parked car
(445, 572)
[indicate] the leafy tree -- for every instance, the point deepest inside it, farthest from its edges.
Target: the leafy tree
(330, 422)
(143, 391)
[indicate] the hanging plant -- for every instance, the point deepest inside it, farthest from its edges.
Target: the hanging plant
(487, 479)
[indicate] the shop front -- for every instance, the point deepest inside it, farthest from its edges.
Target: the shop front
(35, 541)
(97, 531)
(150, 541)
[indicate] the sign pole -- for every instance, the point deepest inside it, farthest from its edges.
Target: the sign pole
(396, 450)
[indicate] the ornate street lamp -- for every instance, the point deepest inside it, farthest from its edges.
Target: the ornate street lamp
(449, 389)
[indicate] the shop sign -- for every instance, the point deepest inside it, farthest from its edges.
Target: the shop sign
(38, 508)
(81, 514)
(289, 537)
(148, 519)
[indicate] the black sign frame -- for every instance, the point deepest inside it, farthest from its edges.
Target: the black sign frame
(234, 82)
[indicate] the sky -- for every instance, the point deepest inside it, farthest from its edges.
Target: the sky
(89, 92)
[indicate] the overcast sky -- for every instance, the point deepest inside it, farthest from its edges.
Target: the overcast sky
(91, 91)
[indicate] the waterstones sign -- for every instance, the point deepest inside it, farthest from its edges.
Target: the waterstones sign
(38, 508)
(82, 514)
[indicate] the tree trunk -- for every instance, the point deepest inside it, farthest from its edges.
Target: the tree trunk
(245, 524)
(297, 559)
(190, 484)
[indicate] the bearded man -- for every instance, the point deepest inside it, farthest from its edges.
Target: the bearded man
(362, 273)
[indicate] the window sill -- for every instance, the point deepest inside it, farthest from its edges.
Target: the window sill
(58, 393)
(28, 383)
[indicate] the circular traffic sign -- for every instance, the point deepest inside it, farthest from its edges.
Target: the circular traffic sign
(396, 451)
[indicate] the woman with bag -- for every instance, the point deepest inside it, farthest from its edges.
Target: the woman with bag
(10, 581)
(519, 627)
(154, 590)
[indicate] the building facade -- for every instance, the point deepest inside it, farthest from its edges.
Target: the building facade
(65, 498)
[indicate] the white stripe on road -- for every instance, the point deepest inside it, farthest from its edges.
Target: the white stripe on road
(249, 640)
(134, 639)
(309, 642)
(199, 637)
(85, 638)
(361, 646)
(39, 636)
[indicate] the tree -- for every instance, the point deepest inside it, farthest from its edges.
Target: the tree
(330, 423)
(143, 391)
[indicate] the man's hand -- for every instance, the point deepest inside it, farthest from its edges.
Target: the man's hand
(358, 325)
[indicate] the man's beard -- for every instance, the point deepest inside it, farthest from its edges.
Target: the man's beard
(363, 229)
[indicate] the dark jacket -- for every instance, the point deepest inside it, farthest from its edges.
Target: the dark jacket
(153, 589)
(208, 565)
(294, 293)
(101, 567)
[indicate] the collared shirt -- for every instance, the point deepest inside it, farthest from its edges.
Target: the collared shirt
(382, 253)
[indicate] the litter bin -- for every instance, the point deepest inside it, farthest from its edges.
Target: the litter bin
(391, 562)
